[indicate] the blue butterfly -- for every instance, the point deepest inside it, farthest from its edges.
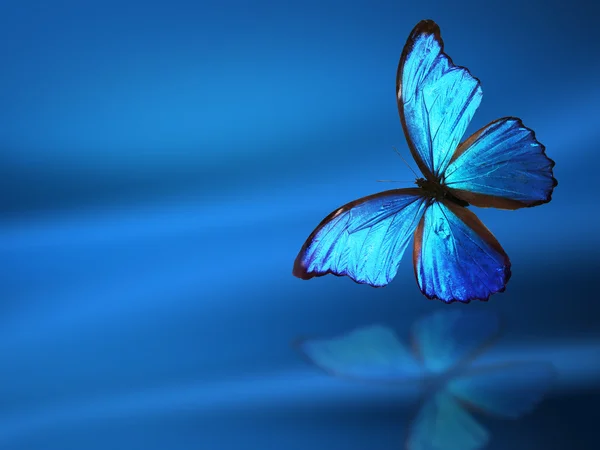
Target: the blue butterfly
(442, 361)
(502, 166)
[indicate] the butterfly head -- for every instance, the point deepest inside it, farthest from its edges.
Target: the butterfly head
(431, 188)
(421, 182)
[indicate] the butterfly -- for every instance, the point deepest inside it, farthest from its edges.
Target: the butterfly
(455, 257)
(442, 361)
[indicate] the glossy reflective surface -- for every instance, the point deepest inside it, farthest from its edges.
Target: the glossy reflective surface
(454, 384)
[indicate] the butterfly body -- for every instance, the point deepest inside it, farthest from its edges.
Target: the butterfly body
(438, 191)
(456, 258)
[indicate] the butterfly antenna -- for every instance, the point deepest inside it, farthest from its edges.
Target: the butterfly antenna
(394, 181)
(407, 165)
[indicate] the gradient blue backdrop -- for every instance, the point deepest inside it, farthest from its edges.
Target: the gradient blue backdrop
(161, 163)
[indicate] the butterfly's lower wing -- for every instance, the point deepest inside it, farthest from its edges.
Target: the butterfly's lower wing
(436, 99)
(501, 166)
(364, 239)
(373, 353)
(507, 390)
(450, 338)
(456, 258)
(442, 423)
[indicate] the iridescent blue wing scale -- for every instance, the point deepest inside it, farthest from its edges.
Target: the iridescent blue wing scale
(364, 239)
(436, 99)
(508, 390)
(456, 257)
(502, 166)
(373, 353)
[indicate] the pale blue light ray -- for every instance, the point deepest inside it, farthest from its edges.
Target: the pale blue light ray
(171, 86)
(65, 306)
(220, 397)
(291, 388)
(193, 133)
(124, 246)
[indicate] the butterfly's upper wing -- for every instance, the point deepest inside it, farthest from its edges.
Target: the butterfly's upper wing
(371, 353)
(364, 239)
(436, 99)
(506, 390)
(447, 339)
(456, 257)
(443, 424)
(502, 166)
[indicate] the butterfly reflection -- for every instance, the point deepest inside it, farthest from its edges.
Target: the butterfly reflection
(502, 166)
(443, 361)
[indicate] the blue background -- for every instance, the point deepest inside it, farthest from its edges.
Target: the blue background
(162, 163)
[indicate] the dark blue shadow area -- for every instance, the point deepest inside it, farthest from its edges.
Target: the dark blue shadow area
(161, 164)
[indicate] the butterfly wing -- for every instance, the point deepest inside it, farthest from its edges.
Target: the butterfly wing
(446, 339)
(364, 239)
(502, 166)
(443, 424)
(372, 353)
(456, 257)
(507, 390)
(436, 99)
